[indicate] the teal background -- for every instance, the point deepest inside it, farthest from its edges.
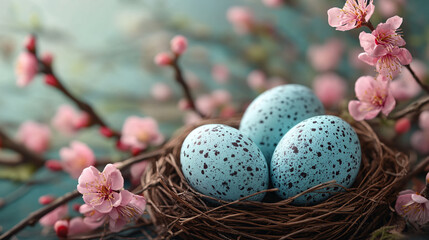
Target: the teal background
(104, 51)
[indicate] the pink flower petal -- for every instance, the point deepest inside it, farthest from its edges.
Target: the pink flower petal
(368, 59)
(418, 198)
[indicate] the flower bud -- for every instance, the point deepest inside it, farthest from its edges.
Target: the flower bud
(61, 228)
(51, 80)
(53, 165)
(47, 58)
(30, 43)
(46, 199)
(107, 132)
(402, 125)
(179, 44)
(163, 59)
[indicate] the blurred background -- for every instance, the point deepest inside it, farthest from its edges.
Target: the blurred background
(104, 49)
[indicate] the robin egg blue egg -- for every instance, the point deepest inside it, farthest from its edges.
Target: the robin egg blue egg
(219, 161)
(315, 151)
(270, 116)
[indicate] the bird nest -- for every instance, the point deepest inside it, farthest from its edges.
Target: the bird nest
(180, 211)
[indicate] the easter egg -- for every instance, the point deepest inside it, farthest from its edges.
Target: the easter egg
(219, 161)
(270, 116)
(315, 151)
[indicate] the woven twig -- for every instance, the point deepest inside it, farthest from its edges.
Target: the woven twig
(178, 210)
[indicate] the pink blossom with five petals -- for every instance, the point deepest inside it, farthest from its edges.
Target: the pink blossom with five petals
(138, 133)
(374, 96)
(354, 14)
(131, 207)
(413, 206)
(100, 190)
(67, 120)
(76, 158)
(34, 136)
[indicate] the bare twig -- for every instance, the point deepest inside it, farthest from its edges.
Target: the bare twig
(34, 217)
(414, 108)
(179, 78)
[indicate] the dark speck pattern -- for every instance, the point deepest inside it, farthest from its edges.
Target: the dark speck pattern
(226, 164)
(270, 116)
(318, 159)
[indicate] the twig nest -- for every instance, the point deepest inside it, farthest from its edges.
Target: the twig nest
(179, 210)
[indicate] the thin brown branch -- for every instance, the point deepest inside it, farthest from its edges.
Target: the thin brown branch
(27, 155)
(34, 217)
(179, 78)
(84, 106)
(421, 84)
(414, 108)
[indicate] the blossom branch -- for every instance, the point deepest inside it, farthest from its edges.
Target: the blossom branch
(27, 155)
(35, 216)
(54, 81)
(179, 44)
(408, 67)
(185, 88)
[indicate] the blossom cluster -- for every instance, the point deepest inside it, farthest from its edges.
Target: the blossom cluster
(383, 48)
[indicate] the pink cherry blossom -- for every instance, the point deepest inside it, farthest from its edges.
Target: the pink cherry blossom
(34, 136)
(404, 87)
(179, 44)
(26, 68)
(382, 48)
(374, 96)
(383, 39)
(242, 18)
(413, 206)
(137, 170)
(273, 3)
(354, 14)
(67, 120)
(221, 97)
(420, 141)
(389, 8)
(161, 92)
(140, 133)
(61, 228)
(424, 120)
(329, 88)
(191, 118)
(257, 80)
(76, 158)
(327, 56)
(389, 65)
(51, 218)
(163, 59)
(100, 189)
(131, 207)
(206, 104)
(220, 73)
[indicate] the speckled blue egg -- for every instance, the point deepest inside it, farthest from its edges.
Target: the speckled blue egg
(217, 160)
(270, 116)
(315, 151)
